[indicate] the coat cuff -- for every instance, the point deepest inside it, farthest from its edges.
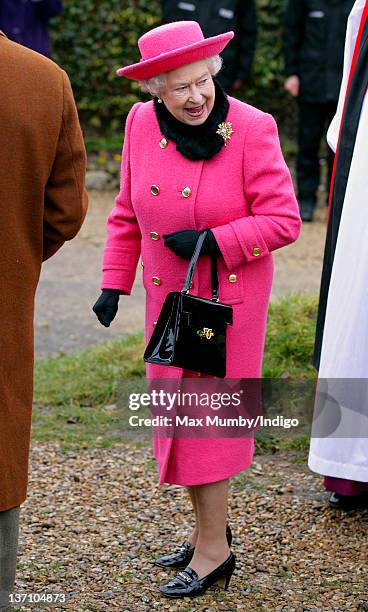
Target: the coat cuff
(119, 268)
(240, 241)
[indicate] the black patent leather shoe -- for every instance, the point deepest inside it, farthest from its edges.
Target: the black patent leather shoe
(180, 558)
(348, 502)
(183, 555)
(187, 583)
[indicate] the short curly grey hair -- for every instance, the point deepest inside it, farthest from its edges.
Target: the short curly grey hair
(156, 85)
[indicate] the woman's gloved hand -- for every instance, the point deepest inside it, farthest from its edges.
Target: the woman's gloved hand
(106, 306)
(183, 243)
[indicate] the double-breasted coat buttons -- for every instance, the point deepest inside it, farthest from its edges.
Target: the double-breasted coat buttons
(232, 278)
(256, 252)
(186, 192)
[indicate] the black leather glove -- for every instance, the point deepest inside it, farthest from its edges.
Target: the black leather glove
(183, 243)
(106, 306)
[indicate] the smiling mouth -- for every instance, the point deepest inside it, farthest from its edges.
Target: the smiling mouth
(196, 111)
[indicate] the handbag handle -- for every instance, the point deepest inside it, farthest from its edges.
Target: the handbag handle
(192, 266)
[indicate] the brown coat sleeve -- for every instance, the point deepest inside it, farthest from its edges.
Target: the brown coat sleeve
(65, 196)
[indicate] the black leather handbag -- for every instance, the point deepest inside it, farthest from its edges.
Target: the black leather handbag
(190, 331)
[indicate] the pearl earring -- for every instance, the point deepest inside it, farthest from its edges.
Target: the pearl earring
(159, 100)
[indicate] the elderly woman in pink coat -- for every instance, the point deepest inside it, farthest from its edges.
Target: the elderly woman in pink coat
(182, 174)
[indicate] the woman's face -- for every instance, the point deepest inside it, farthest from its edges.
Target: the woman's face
(189, 94)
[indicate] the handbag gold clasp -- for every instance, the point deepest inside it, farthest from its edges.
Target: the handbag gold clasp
(206, 332)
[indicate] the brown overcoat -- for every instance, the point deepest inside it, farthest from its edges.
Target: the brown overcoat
(42, 204)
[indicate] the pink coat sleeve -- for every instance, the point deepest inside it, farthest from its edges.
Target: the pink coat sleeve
(123, 244)
(274, 220)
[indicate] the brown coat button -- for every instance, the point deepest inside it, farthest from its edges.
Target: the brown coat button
(256, 251)
(232, 278)
(155, 190)
(156, 280)
(155, 236)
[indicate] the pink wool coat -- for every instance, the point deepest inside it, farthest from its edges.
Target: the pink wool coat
(245, 195)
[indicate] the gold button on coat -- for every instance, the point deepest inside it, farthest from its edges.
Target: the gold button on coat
(232, 278)
(156, 280)
(256, 251)
(155, 236)
(186, 192)
(163, 143)
(155, 190)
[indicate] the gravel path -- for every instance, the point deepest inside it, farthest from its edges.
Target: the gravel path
(70, 283)
(94, 522)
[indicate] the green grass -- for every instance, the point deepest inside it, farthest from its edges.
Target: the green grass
(71, 393)
(290, 338)
(78, 401)
(88, 378)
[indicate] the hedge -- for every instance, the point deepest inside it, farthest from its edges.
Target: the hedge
(94, 37)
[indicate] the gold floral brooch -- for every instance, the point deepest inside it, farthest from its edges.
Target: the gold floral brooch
(225, 130)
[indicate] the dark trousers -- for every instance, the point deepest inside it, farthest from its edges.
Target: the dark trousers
(9, 528)
(314, 119)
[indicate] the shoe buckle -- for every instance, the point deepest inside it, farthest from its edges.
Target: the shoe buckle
(185, 577)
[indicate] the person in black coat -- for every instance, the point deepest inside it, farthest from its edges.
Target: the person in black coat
(314, 34)
(216, 17)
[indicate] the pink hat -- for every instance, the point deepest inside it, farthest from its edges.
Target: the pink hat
(173, 45)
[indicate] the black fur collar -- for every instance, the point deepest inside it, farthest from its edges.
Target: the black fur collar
(200, 141)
